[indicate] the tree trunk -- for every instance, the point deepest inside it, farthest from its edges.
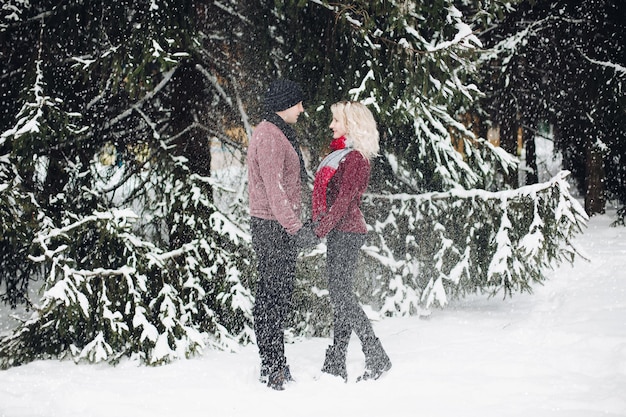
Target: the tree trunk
(508, 142)
(532, 176)
(594, 180)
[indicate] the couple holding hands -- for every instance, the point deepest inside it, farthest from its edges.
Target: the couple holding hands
(276, 173)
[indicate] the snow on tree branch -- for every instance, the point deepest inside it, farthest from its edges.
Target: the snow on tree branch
(31, 114)
(620, 70)
(443, 245)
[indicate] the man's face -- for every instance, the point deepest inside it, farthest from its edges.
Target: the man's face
(291, 114)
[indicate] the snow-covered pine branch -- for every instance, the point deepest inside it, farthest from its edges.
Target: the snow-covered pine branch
(440, 246)
(109, 293)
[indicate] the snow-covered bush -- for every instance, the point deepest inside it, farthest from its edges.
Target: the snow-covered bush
(109, 293)
(431, 248)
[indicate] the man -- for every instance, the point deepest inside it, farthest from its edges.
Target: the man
(275, 175)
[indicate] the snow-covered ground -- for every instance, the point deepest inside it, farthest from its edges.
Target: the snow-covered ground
(558, 352)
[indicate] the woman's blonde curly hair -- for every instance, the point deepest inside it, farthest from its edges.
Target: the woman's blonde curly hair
(360, 126)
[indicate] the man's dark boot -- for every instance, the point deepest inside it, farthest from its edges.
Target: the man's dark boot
(266, 370)
(376, 360)
(335, 361)
(276, 379)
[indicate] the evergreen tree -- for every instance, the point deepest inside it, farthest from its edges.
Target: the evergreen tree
(141, 260)
(413, 64)
(509, 239)
(138, 260)
(18, 219)
(563, 63)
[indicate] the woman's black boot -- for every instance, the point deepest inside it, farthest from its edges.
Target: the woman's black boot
(335, 361)
(376, 360)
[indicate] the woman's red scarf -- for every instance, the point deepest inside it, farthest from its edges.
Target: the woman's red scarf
(325, 172)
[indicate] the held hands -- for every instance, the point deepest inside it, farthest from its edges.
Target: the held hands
(305, 238)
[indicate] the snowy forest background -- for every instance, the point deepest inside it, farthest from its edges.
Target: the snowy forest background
(125, 238)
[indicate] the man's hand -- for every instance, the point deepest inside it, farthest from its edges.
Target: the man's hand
(306, 238)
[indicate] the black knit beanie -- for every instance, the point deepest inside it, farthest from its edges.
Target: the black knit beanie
(281, 95)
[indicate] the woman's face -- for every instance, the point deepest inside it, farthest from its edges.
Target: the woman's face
(338, 128)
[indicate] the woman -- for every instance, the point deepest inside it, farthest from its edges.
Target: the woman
(340, 182)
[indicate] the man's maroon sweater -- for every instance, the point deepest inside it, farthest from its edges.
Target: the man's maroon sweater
(274, 177)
